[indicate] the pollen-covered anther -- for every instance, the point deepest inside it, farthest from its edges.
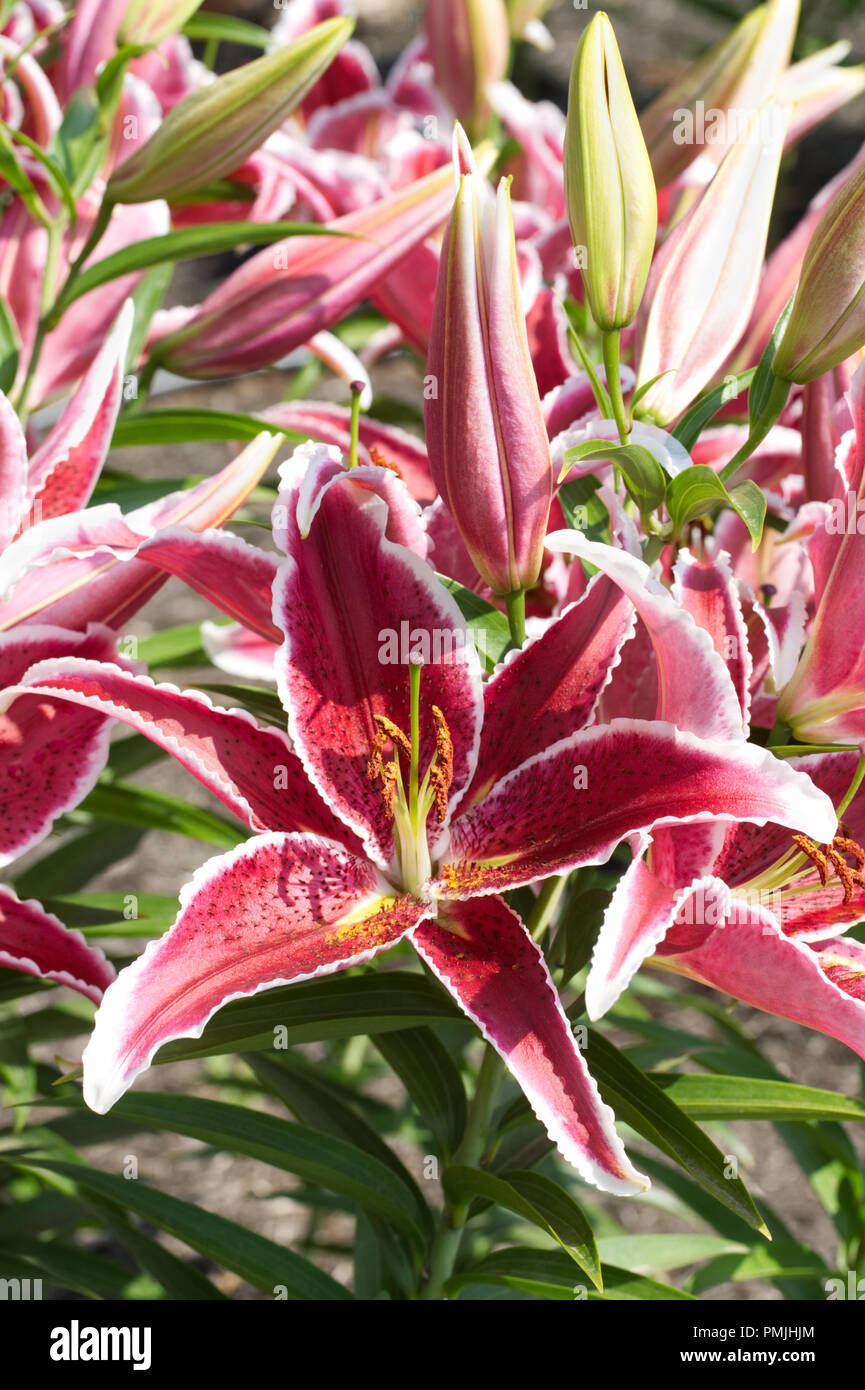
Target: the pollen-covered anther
(442, 770)
(380, 461)
(386, 731)
(831, 858)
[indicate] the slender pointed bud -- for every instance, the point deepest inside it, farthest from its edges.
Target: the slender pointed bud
(827, 323)
(469, 47)
(704, 109)
(705, 278)
(609, 188)
(488, 448)
(213, 130)
(151, 21)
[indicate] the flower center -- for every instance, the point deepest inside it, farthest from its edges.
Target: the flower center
(409, 805)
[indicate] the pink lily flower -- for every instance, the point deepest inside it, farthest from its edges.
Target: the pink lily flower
(824, 701)
(407, 800)
(766, 924)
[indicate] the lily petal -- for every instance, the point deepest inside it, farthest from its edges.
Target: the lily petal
(484, 956)
(348, 601)
(551, 687)
(752, 960)
(573, 803)
(50, 754)
(276, 909)
(37, 943)
(252, 770)
(695, 690)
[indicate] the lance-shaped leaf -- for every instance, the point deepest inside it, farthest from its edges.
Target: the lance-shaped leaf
(699, 490)
(280, 298)
(37, 943)
(704, 280)
(213, 130)
(298, 906)
(478, 950)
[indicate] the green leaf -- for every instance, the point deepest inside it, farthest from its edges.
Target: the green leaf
(487, 626)
(76, 861)
(152, 427)
(173, 646)
(695, 420)
(766, 398)
(10, 348)
(259, 1261)
(584, 511)
(69, 1267)
(226, 29)
(185, 244)
(426, 1069)
(127, 804)
(643, 475)
(699, 489)
(104, 914)
(319, 1159)
(779, 1261)
(338, 1007)
(322, 1104)
(639, 1102)
(55, 174)
(19, 180)
(147, 297)
(658, 1254)
(538, 1200)
(751, 1098)
(263, 703)
(550, 1274)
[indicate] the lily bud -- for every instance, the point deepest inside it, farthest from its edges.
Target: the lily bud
(151, 21)
(213, 130)
(609, 188)
(469, 46)
(703, 110)
(827, 322)
(488, 447)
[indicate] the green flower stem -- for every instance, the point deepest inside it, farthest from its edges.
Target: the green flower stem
(100, 226)
(515, 605)
(356, 390)
(614, 384)
(547, 903)
(469, 1153)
